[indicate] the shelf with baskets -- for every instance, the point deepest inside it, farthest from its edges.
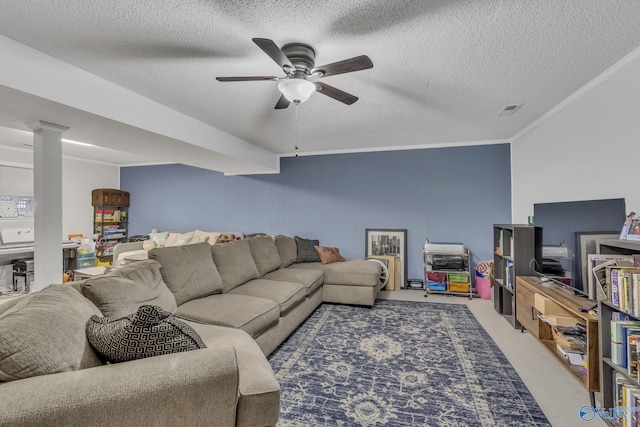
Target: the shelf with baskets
(447, 269)
(110, 220)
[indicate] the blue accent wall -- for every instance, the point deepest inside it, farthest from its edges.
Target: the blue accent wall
(450, 194)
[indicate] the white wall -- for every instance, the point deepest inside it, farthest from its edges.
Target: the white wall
(588, 150)
(78, 179)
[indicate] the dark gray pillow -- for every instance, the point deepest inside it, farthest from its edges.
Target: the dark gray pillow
(188, 271)
(123, 290)
(306, 250)
(265, 254)
(148, 332)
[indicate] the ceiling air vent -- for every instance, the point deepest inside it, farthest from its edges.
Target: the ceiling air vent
(509, 109)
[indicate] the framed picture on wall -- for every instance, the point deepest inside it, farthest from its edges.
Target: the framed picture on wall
(390, 242)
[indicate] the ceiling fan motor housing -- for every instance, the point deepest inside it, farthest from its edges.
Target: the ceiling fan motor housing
(302, 56)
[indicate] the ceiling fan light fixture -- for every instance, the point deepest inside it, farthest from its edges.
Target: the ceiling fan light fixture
(297, 90)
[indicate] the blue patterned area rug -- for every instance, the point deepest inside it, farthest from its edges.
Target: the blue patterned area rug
(398, 364)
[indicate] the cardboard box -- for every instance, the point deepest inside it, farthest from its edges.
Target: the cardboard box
(562, 320)
(547, 307)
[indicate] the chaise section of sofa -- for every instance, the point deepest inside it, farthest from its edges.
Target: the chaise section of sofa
(354, 282)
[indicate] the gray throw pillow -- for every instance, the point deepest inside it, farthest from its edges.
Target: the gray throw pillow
(122, 291)
(44, 333)
(306, 250)
(235, 263)
(149, 332)
(188, 271)
(265, 254)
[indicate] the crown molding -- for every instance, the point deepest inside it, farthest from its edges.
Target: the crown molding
(584, 90)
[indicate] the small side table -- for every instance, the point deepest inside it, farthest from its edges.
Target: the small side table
(85, 273)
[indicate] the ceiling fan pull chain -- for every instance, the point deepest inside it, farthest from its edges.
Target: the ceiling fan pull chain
(296, 129)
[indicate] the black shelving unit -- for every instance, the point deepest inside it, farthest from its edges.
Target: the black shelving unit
(517, 251)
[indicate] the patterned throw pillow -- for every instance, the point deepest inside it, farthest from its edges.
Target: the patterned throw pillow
(306, 250)
(148, 332)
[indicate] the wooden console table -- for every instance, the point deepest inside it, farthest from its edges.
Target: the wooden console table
(527, 315)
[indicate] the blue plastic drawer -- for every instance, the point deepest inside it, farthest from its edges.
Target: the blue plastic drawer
(437, 286)
(85, 260)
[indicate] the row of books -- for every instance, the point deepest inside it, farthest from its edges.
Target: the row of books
(625, 343)
(625, 289)
(508, 274)
(626, 399)
(114, 233)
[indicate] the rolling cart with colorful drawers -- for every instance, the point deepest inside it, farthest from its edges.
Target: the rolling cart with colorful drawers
(447, 269)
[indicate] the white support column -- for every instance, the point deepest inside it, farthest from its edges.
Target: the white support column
(47, 168)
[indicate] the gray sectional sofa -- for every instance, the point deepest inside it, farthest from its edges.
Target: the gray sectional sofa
(243, 298)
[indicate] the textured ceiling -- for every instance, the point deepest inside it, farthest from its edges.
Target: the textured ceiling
(442, 69)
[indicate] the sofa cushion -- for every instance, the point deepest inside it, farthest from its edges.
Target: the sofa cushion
(235, 263)
(358, 272)
(44, 333)
(188, 271)
(328, 255)
(306, 250)
(287, 295)
(178, 239)
(159, 238)
(251, 314)
(148, 332)
(310, 279)
(122, 291)
(265, 254)
(287, 250)
(206, 236)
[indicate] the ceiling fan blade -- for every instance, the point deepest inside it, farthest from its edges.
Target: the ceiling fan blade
(272, 49)
(334, 93)
(245, 79)
(282, 103)
(347, 66)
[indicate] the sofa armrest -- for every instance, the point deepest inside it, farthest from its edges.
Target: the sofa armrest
(121, 248)
(192, 388)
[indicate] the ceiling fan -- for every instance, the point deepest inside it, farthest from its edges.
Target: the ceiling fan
(297, 60)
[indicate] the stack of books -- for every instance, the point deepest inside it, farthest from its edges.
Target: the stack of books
(625, 344)
(625, 288)
(626, 398)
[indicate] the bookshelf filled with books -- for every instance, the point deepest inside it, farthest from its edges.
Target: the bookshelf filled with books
(620, 332)
(619, 345)
(517, 251)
